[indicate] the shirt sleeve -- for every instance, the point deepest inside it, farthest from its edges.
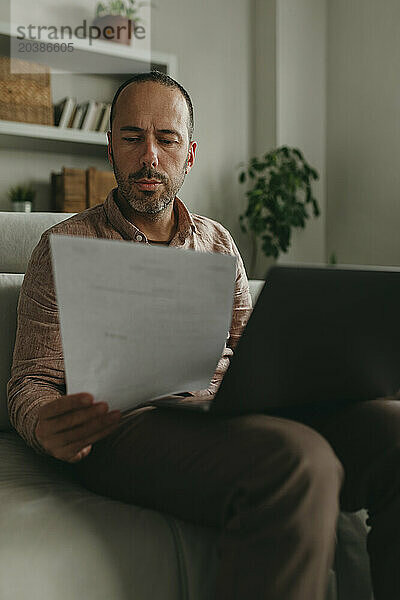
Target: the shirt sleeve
(37, 372)
(242, 307)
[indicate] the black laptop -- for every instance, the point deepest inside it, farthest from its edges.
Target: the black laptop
(317, 337)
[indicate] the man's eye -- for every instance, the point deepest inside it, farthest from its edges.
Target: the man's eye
(131, 139)
(168, 142)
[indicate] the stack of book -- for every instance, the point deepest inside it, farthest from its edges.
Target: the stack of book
(88, 116)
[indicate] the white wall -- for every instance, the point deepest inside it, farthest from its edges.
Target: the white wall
(290, 102)
(301, 106)
(264, 75)
(364, 131)
(264, 98)
(337, 93)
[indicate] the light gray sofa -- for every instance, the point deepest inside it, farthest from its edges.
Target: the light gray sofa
(62, 542)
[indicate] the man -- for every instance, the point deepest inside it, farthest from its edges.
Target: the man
(270, 485)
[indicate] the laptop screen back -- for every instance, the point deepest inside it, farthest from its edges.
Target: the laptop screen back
(317, 335)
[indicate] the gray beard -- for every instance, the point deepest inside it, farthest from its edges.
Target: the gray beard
(146, 202)
(148, 206)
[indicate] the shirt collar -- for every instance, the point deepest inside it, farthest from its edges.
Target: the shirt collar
(129, 231)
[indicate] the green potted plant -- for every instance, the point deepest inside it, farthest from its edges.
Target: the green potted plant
(116, 19)
(278, 197)
(21, 198)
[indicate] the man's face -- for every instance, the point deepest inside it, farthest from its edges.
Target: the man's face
(149, 148)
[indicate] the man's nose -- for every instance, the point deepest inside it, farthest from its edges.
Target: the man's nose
(149, 157)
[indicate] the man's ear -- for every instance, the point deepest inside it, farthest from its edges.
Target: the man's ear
(109, 149)
(191, 156)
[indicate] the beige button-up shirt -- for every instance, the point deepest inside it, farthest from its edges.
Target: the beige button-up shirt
(37, 373)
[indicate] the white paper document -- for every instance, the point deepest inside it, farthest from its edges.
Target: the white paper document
(139, 322)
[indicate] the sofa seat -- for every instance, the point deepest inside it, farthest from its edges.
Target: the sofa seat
(62, 542)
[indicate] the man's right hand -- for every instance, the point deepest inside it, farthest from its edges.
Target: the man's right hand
(68, 426)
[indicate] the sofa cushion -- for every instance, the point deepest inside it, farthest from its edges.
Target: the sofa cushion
(20, 232)
(351, 558)
(255, 286)
(61, 541)
(10, 284)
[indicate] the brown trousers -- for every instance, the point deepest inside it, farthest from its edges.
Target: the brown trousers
(272, 486)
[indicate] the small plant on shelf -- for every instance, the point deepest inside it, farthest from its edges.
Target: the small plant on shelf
(21, 198)
(122, 8)
(278, 198)
(118, 20)
(332, 259)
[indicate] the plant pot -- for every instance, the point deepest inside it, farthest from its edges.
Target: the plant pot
(114, 28)
(21, 206)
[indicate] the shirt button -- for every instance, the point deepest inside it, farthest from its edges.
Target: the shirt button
(139, 237)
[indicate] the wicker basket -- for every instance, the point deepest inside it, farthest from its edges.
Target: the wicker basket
(26, 95)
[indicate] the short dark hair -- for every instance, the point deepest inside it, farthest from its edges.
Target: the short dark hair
(163, 79)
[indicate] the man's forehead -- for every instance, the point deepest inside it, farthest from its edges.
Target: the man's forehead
(150, 99)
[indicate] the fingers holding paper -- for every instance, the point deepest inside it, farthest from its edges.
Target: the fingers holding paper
(68, 427)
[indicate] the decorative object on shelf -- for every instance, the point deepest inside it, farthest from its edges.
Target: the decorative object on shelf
(278, 198)
(21, 198)
(98, 185)
(120, 17)
(74, 190)
(68, 190)
(25, 96)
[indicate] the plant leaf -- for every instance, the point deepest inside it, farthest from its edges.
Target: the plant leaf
(278, 196)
